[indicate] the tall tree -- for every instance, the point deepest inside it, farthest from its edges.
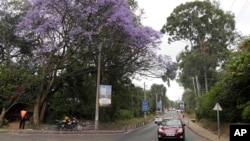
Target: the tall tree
(190, 99)
(10, 44)
(210, 32)
(159, 96)
(232, 89)
(71, 30)
(12, 56)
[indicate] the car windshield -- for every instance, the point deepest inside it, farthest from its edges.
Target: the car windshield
(171, 122)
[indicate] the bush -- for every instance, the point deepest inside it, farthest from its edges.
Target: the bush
(189, 110)
(246, 112)
(125, 114)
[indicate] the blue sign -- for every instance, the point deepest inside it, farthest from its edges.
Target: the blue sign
(144, 105)
(159, 106)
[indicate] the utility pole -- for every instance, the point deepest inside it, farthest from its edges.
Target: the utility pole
(160, 105)
(197, 85)
(195, 92)
(156, 103)
(97, 90)
(163, 95)
(205, 74)
(145, 114)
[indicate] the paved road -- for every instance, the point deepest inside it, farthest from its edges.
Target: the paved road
(145, 133)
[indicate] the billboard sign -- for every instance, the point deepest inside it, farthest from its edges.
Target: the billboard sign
(105, 95)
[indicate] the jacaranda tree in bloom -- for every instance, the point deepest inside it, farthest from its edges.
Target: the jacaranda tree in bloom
(59, 27)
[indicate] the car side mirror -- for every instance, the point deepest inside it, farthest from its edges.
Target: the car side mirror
(158, 123)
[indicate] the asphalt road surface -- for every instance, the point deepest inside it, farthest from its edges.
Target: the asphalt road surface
(146, 133)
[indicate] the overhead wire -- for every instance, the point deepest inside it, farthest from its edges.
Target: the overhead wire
(232, 5)
(242, 11)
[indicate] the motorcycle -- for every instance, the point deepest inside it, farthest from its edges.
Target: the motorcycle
(68, 124)
(62, 125)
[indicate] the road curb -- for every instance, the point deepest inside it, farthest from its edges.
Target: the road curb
(182, 117)
(138, 125)
(90, 131)
(200, 131)
(27, 131)
(196, 132)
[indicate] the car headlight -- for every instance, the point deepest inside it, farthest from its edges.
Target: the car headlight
(180, 130)
(160, 129)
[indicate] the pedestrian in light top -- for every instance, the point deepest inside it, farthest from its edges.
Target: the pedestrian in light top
(23, 117)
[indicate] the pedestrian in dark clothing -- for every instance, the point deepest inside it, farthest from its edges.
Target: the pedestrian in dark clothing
(23, 117)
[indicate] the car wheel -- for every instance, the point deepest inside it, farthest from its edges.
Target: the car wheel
(160, 139)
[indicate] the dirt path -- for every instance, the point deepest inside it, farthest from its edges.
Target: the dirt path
(212, 126)
(14, 125)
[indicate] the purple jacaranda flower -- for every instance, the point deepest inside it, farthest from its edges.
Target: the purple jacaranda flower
(60, 23)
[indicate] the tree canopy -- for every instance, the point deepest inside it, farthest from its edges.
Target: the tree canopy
(210, 32)
(209, 66)
(231, 91)
(59, 41)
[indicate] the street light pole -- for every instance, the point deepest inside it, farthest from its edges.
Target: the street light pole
(97, 90)
(145, 114)
(195, 92)
(156, 104)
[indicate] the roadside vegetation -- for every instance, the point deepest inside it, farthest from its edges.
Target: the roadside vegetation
(127, 124)
(214, 67)
(49, 55)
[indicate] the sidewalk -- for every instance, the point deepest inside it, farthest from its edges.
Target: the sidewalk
(47, 129)
(31, 131)
(201, 131)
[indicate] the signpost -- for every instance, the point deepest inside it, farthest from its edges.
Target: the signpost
(144, 105)
(159, 106)
(218, 108)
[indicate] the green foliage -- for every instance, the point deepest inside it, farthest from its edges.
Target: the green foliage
(194, 21)
(58, 107)
(13, 82)
(189, 99)
(210, 31)
(205, 107)
(246, 112)
(124, 98)
(189, 110)
(231, 91)
(158, 93)
(66, 81)
(124, 114)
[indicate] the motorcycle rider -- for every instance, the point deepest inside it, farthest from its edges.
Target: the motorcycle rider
(68, 123)
(66, 119)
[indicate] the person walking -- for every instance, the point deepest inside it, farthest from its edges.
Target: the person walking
(23, 116)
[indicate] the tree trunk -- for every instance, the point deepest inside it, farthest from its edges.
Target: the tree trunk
(43, 109)
(36, 112)
(40, 108)
(2, 116)
(40, 105)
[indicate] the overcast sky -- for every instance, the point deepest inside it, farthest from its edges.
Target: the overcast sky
(156, 12)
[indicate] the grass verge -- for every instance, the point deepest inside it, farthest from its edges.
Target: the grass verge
(121, 124)
(212, 125)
